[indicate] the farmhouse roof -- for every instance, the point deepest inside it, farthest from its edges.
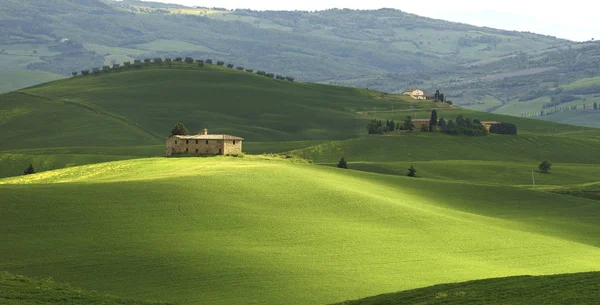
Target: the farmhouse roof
(209, 137)
(411, 89)
(490, 122)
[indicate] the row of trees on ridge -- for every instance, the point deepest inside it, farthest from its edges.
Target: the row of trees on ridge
(138, 64)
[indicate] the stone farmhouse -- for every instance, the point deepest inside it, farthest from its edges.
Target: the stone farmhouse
(203, 144)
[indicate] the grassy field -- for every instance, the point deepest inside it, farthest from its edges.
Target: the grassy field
(21, 290)
(140, 107)
(229, 230)
(581, 288)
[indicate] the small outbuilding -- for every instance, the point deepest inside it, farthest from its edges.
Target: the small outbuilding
(203, 144)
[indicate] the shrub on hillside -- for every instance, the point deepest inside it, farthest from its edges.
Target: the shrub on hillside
(260, 72)
(230, 66)
(29, 170)
(220, 63)
(240, 68)
(189, 60)
(158, 60)
(545, 166)
(270, 75)
(74, 73)
(342, 163)
(85, 72)
(179, 129)
(209, 61)
(249, 70)
(412, 172)
(289, 78)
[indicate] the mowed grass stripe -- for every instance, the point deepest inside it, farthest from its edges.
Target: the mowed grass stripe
(222, 231)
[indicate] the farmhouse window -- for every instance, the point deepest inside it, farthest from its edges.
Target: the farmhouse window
(196, 148)
(206, 141)
(196, 142)
(187, 141)
(175, 142)
(233, 142)
(186, 150)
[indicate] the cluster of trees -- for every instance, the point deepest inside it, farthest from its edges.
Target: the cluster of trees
(138, 63)
(461, 126)
(464, 126)
(504, 128)
(379, 127)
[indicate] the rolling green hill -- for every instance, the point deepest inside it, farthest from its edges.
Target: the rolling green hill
(138, 107)
(127, 113)
(229, 230)
(579, 288)
(21, 290)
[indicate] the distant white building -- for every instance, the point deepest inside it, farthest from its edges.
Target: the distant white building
(64, 40)
(415, 93)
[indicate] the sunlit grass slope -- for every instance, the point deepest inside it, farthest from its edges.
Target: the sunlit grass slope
(579, 288)
(259, 230)
(21, 290)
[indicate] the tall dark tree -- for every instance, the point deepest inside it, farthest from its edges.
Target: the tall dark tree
(412, 172)
(29, 170)
(342, 163)
(408, 124)
(74, 73)
(179, 129)
(595, 106)
(436, 96)
(442, 124)
(433, 121)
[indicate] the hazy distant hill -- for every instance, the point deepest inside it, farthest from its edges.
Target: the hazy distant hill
(315, 46)
(485, 69)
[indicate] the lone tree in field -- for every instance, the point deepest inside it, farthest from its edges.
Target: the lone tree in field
(29, 170)
(412, 172)
(74, 73)
(342, 163)
(179, 130)
(545, 166)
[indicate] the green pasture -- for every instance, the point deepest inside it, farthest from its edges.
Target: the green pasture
(269, 230)
(22, 290)
(579, 148)
(578, 288)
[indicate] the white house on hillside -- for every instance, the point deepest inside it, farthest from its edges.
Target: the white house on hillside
(415, 93)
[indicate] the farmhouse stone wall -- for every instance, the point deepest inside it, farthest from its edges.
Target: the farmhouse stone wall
(178, 146)
(232, 146)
